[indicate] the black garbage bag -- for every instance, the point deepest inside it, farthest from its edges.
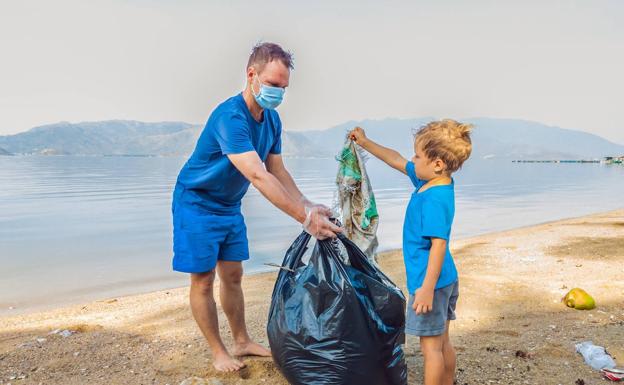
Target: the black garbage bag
(330, 323)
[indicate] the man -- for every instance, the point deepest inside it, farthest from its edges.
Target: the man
(240, 144)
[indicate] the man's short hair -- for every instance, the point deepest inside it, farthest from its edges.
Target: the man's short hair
(263, 53)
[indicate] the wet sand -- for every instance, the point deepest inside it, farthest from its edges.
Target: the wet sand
(511, 326)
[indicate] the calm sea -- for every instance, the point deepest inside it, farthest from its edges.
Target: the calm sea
(74, 229)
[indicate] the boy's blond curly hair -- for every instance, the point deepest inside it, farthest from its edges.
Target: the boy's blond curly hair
(446, 139)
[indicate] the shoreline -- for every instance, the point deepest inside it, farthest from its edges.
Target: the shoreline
(511, 326)
(151, 285)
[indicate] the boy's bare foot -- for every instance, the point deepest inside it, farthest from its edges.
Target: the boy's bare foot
(223, 362)
(250, 349)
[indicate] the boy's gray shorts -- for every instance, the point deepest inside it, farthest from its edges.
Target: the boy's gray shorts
(434, 322)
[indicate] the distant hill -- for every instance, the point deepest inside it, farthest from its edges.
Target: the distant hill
(520, 139)
(492, 138)
(113, 137)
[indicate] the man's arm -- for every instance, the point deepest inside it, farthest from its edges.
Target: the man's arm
(275, 165)
(250, 165)
(423, 301)
(389, 156)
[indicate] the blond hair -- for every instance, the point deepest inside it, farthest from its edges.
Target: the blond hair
(447, 140)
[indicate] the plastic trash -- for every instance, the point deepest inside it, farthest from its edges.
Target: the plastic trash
(356, 201)
(595, 356)
(579, 299)
(332, 323)
(613, 374)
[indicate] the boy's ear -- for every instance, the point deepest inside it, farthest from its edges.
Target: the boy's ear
(439, 166)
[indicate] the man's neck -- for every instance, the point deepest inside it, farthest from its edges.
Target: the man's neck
(252, 105)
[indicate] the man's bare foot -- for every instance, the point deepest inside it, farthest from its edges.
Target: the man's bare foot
(223, 362)
(250, 349)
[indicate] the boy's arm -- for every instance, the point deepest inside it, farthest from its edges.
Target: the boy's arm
(389, 156)
(423, 301)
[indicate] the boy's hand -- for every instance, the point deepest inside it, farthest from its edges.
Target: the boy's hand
(357, 135)
(423, 300)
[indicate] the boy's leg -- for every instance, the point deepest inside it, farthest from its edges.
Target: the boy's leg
(233, 304)
(205, 313)
(450, 360)
(432, 349)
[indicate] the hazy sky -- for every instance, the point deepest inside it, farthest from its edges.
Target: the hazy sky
(557, 62)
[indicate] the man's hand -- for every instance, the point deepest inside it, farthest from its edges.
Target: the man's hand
(358, 135)
(423, 300)
(317, 222)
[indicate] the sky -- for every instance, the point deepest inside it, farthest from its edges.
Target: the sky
(556, 62)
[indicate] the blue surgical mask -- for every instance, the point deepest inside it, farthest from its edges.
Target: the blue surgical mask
(269, 97)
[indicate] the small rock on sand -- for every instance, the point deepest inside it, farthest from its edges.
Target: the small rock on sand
(194, 381)
(63, 333)
(201, 381)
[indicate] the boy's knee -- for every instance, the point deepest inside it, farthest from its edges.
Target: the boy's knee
(431, 345)
(430, 351)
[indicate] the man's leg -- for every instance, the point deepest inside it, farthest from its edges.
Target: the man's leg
(450, 360)
(233, 304)
(434, 359)
(205, 312)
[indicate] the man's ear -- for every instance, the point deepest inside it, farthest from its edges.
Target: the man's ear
(251, 71)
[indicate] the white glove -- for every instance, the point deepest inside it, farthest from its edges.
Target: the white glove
(317, 221)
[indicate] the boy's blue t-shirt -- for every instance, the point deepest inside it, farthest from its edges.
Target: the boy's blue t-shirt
(429, 215)
(209, 182)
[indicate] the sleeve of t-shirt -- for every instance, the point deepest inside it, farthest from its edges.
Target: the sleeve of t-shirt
(232, 134)
(410, 169)
(277, 142)
(436, 219)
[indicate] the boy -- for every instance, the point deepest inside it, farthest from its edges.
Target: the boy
(440, 148)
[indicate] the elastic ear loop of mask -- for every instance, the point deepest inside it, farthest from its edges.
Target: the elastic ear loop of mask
(259, 88)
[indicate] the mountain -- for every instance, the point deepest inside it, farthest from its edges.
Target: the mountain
(492, 138)
(298, 145)
(520, 139)
(113, 137)
(122, 137)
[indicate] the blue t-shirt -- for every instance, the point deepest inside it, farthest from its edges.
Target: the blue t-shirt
(209, 182)
(429, 215)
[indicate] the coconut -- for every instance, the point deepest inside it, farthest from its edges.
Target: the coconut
(579, 299)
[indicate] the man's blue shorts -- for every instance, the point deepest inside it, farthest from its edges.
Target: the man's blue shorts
(201, 239)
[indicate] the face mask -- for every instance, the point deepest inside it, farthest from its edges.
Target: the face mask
(268, 97)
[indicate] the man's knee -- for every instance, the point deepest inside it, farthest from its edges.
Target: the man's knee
(230, 273)
(203, 282)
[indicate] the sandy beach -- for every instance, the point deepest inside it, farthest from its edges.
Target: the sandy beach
(511, 329)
